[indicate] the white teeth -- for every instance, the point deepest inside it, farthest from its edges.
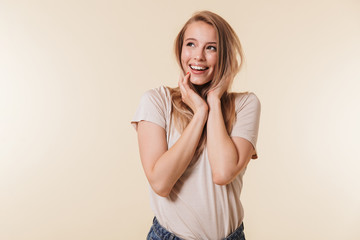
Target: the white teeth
(198, 68)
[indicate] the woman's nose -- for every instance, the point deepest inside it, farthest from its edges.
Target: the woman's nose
(199, 55)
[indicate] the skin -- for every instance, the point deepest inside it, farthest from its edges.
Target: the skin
(199, 49)
(228, 156)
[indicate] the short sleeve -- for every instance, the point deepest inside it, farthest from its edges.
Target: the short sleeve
(152, 108)
(248, 108)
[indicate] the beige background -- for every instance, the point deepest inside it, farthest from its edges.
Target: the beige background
(72, 73)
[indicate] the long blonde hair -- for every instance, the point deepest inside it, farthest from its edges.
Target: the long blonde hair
(230, 60)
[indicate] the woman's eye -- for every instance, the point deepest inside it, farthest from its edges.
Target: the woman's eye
(190, 44)
(212, 48)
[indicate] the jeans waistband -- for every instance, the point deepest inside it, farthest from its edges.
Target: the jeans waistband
(238, 234)
(164, 234)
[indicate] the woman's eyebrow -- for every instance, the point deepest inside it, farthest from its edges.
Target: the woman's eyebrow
(190, 39)
(193, 39)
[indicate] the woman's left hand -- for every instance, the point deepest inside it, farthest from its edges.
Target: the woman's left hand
(217, 92)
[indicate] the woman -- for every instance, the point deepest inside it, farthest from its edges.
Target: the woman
(196, 140)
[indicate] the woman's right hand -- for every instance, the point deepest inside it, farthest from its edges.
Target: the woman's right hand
(190, 97)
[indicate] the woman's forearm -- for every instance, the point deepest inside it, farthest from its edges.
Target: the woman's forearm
(173, 163)
(223, 155)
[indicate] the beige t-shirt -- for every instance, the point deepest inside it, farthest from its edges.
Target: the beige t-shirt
(196, 207)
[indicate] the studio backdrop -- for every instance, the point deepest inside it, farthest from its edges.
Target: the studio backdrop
(71, 77)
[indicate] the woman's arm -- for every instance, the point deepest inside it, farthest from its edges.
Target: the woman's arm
(227, 156)
(162, 166)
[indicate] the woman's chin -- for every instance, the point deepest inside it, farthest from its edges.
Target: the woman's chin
(199, 82)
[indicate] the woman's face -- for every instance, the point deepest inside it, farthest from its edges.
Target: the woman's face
(199, 52)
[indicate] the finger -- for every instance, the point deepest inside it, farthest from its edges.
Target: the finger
(180, 80)
(181, 87)
(186, 80)
(182, 74)
(183, 92)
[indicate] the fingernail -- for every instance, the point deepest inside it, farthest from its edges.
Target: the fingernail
(187, 73)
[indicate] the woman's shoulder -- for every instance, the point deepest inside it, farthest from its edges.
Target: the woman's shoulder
(246, 98)
(158, 96)
(160, 93)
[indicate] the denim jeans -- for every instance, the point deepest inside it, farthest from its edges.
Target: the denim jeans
(158, 232)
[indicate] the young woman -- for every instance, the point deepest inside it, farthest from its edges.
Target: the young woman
(196, 140)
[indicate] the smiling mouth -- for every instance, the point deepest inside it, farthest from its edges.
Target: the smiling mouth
(198, 68)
